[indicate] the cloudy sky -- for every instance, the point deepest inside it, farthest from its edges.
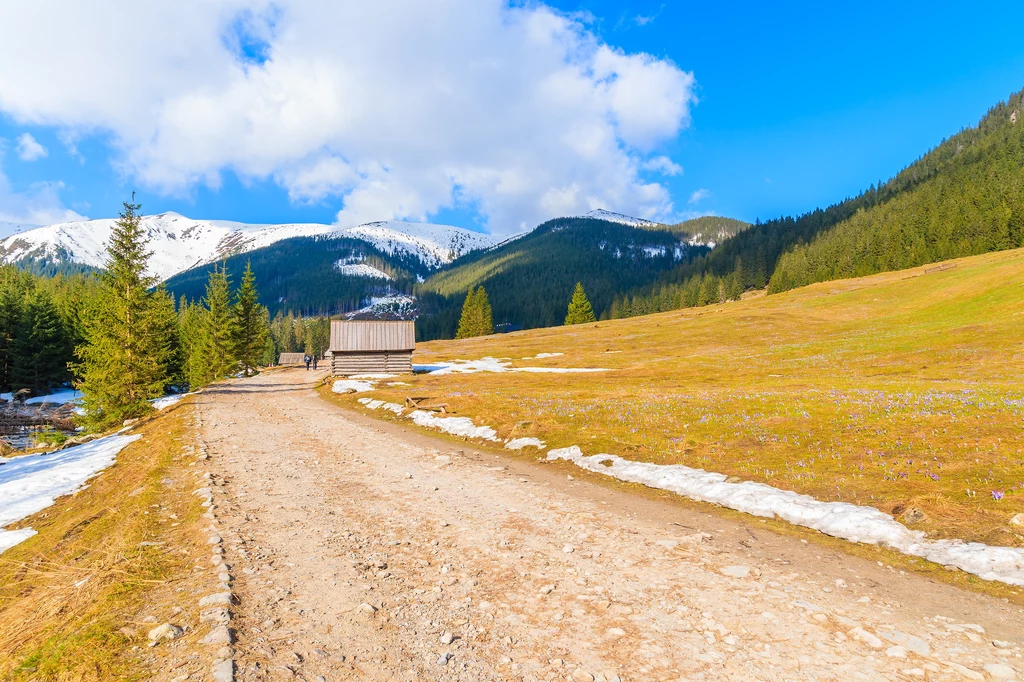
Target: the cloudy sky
(480, 113)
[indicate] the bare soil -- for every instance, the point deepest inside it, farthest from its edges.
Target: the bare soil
(364, 550)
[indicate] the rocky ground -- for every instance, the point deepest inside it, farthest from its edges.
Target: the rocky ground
(361, 550)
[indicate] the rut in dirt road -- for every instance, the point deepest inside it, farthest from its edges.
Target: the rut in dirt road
(363, 551)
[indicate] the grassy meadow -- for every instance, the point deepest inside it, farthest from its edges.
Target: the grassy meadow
(902, 390)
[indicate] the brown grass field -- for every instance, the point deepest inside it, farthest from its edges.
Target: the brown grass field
(901, 390)
(68, 594)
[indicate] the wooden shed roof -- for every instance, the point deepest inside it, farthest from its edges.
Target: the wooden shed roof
(372, 335)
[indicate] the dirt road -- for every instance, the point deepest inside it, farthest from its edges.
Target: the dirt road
(363, 551)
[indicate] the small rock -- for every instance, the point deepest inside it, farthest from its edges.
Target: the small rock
(321, 678)
(736, 571)
(320, 653)
(582, 675)
(1001, 644)
(1000, 671)
(218, 614)
(1017, 520)
(616, 632)
(444, 658)
(216, 599)
(225, 652)
(568, 549)
(165, 631)
(840, 583)
(867, 637)
(896, 652)
(547, 589)
(368, 609)
(447, 638)
(214, 540)
(223, 671)
(218, 635)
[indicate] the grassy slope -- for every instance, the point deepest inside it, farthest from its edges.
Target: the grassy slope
(852, 390)
(67, 592)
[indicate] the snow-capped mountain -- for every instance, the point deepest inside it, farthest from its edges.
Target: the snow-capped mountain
(179, 243)
(601, 214)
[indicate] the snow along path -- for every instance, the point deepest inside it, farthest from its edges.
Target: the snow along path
(366, 550)
(838, 519)
(31, 483)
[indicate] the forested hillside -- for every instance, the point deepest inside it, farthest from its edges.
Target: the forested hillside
(306, 275)
(709, 228)
(963, 197)
(966, 197)
(530, 279)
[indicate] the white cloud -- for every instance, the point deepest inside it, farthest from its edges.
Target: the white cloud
(699, 196)
(392, 109)
(40, 205)
(663, 165)
(28, 149)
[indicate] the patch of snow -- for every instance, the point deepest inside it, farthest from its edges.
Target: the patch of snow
(360, 270)
(838, 519)
(395, 305)
(64, 395)
(547, 355)
(350, 386)
(490, 364)
(457, 426)
(612, 217)
(30, 483)
(372, 376)
(520, 443)
(380, 404)
(167, 401)
(654, 251)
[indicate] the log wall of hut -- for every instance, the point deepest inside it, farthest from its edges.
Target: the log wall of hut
(371, 362)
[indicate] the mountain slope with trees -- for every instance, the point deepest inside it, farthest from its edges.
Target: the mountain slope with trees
(962, 197)
(530, 279)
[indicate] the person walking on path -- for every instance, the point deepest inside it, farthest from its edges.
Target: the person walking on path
(307, 360)
(315, 358)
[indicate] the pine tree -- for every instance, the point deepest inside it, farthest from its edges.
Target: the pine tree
(122, 363)
(217, 348)
(10, 316)
(477, 318)
(580, 311)
(250, 326)
(40, 348)
(486, 319)
(468, 320)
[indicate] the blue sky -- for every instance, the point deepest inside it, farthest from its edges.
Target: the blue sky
(794, 108)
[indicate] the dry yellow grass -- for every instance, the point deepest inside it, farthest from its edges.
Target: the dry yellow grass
(66, 593)
(900, 390)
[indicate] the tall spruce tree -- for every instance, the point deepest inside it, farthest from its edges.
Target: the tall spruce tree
(217, 343)
(580, 311)
(249, 324)
(122, 363)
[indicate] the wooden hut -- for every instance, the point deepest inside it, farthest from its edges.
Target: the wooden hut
(291, 359)
(372, 347)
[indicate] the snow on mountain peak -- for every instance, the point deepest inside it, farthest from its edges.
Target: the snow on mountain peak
(612, 217)
(179, 243)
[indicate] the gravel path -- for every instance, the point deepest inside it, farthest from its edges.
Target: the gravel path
(362, 550)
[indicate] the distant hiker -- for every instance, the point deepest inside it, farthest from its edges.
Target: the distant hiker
(307, 360)
(315, 358)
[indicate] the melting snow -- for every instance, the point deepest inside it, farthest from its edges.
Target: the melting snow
(495, 365)
(520, 443)
(360, 270)
(457, 426)
(30, 483)
(167, 401)
(839, 519)
(351, 386)
(66, 395)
